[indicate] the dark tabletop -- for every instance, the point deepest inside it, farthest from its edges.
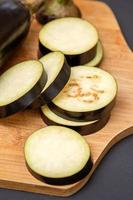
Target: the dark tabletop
(113, 180)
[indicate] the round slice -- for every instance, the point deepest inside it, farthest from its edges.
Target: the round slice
(74, 37)
(95, 62)
(20, 86)
(58, 72)
(90, 92)
(46, 111)
(58, 154)
(84, 128)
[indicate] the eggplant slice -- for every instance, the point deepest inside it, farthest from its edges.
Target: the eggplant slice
(48, 150)
(95, 62)
(82, 116)
(84, 128)
(76, 38)
(20, 86)
(58, 72)
(90, 94)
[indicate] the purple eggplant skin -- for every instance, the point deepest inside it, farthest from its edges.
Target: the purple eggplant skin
(15, 20)
(53, 90)
(67, 180)
(83, 130)
(83, 116)
(73, 60)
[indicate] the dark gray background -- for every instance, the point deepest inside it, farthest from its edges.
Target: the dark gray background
(113, 179)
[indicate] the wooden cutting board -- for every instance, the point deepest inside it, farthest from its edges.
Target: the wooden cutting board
(14, 130)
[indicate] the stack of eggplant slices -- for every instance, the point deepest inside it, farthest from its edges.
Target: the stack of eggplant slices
(76, 98)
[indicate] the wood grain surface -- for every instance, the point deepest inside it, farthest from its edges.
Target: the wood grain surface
(14, 130)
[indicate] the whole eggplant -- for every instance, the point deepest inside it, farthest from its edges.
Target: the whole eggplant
(15, 20)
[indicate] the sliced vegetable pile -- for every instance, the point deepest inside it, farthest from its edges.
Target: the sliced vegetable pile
(71, 91)
(58, 72)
